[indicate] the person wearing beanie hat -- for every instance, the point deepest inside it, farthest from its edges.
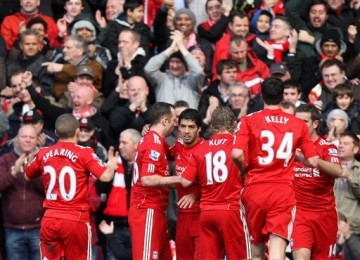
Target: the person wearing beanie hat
(185, 21)
(331, 45)
(85, 29)
(337, 122)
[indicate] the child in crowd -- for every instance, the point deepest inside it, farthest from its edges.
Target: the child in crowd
(292, 92)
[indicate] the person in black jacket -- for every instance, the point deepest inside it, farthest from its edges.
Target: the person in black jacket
(130, 19)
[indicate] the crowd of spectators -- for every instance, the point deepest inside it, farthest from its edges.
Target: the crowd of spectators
(108, 61)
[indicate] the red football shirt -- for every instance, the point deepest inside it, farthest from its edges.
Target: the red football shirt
(218, 176)
(270, 138)
(150, 159)
(182, 156)
(314, 188)
(65, 168)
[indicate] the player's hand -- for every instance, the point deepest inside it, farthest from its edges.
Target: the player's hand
(145, 129)
(105, 228)
(112, 158)
(186, 201)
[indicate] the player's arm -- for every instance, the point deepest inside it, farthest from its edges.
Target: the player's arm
(159, 181)
(332, 169)
(111, 166)
(239, 159)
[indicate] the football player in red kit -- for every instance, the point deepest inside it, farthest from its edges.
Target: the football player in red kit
(187, 227)
(149, 195)
(65, 168)
(315, 227)
(220, 186)
(268, 139)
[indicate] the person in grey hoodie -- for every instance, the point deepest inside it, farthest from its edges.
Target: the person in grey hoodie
(183, 78)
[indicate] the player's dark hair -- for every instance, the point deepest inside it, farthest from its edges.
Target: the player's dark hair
(223, 119)
(225, 64)
(191, 114)
(66, 125)
(315, 114)
(159, 110)
(353, 136)
(272, 90)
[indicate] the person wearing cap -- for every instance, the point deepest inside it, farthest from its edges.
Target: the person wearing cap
(182, 79)
(131, 18)
(280, 70)
(87, 138)
(22, 208)
(74, 55)
(44, 137)
(30, 58)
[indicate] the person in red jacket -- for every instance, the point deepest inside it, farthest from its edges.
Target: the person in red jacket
(251, 70)
(16, 23)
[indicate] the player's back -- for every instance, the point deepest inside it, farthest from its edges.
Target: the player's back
(150, 160)
(313, 187)
(65, 169)
(269, 139)
(219, 177)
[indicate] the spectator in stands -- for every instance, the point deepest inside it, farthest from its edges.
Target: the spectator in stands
(251, 70)
(343, 98)
(347, 191)
(280, 70)
(134, 114)
(130, 19)
(117, 232)
(238, 26)
(347, 240)
(185, 22)
(239, 99)
(277, 46)
(74, 53)
(333, 74)
(113, 9)
(337, 122)
(83, 98)
(311, 31)
(85, 28)
(330, 46)
(219, 88)
(16, 23)
(176, 83)
(213, 28)
(260, 23)
(292, 92)
(21, 201)
(73, 8)
(31, 59)
(130, 61)
(44, 136)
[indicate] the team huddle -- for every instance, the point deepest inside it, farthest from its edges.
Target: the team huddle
(268, 178)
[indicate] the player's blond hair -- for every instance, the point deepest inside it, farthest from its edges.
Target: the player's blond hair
(223, 119)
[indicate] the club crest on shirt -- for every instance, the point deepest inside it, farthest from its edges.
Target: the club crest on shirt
(154, 155)
(333, 151)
